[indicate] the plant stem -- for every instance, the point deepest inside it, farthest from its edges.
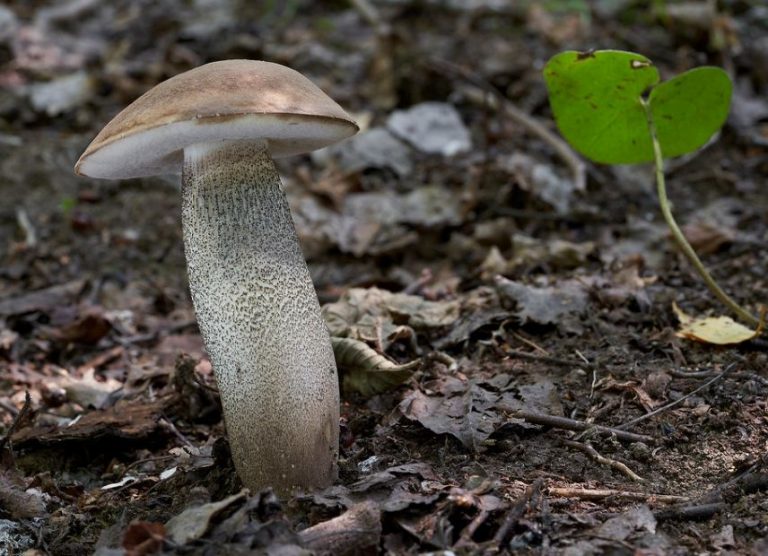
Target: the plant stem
(677, 233)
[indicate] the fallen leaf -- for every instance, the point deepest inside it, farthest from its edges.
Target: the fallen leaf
(42, 300)
(365, 370)
(548, 305)
(87, 391)
(431, 127)
(381, 317)
(142, 538)
(193, 523)
(622, 527)
(720, 331)
(472, 410)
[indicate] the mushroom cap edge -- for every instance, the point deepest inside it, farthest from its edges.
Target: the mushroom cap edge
(219, 101)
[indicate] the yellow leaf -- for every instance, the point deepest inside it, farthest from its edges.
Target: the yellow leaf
(713, 330)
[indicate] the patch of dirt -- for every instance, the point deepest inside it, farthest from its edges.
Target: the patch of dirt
(469, 248)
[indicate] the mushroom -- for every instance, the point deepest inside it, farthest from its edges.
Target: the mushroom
(219, 125)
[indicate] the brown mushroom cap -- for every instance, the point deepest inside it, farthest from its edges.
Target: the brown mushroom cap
(228, 100)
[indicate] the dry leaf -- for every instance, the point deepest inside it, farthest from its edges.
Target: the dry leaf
(720, 331)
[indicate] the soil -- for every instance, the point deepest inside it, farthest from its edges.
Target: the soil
(122, 432)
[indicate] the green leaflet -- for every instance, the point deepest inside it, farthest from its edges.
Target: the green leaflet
(596, 98)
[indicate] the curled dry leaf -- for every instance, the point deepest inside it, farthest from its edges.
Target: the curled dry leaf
(367, 371)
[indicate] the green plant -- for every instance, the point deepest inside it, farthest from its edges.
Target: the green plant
(611, 107)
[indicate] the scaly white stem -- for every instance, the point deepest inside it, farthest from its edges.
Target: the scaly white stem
(260, 318)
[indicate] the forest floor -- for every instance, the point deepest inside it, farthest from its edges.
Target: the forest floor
(446, 232)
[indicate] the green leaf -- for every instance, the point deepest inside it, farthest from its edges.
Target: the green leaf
(690, 108)
(595, 98)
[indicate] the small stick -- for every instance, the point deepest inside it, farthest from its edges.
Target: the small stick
(701, 511)
(465, 540)
(692, 374)
(665, 407)
(168, 425)
(517, 511)
(516, 354)
(498, 100)
(30, 235)
(25, 409)
(574, 425)
(595, 455)
(600, 493)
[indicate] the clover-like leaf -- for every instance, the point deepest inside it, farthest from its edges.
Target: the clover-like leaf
(690, 108)
(595, 98)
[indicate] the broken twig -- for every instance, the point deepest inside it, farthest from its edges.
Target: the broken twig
(574, 425)
(601, 459)
(17, 420)
(678, 401)
(601, 493)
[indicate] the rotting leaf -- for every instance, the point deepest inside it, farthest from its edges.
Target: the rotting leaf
(87, 391)
(143, 538)
(431, 127)
(472, 410)
(17, 503)
(624, 526)
(42, 300)
(557, 253)
(720, 331)
(548, 305)
(192, 523)
(379, 316)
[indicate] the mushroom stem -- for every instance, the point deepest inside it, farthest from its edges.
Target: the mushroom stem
(259, 318)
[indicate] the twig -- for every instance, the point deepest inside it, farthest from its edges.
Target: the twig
(498, 100)
(574, 425)
(517, 511)
(595, 455)
(465, 539)
(692, 374)
(677, 401)
(30, 235)
(17, 420)
(425, 277)
(600, 493)
(750, 480)
(516, 354)
(168, 425)
(700, 511)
